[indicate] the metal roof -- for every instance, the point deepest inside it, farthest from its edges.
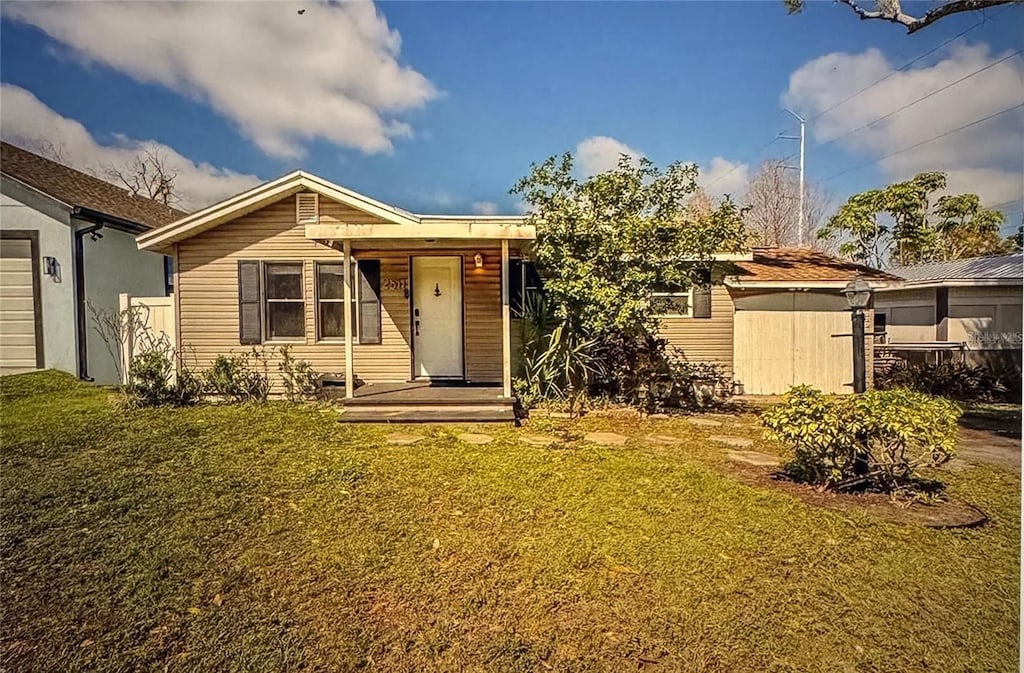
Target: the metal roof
(1001, 267)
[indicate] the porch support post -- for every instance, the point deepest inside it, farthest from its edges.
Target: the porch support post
(347, 271)
(506, 325)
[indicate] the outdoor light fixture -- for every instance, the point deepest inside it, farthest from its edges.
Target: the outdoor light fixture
(478, 259)
(858, 293)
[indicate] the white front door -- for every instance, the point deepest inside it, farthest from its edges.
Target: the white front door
(437, 317)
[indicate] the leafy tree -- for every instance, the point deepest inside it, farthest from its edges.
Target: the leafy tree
(867, 239)
(892, 10)
(899, 224)
(966, 229)
(606, 244)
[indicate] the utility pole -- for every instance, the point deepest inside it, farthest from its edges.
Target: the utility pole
(800, 218)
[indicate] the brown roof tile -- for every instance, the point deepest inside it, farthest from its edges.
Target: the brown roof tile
(804, 265)
(82, 190)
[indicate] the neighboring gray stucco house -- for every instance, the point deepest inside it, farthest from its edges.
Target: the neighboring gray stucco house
(67, 241)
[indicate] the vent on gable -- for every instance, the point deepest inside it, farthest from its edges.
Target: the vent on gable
(307, 208)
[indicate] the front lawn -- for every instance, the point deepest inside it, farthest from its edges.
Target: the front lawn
(272, 538)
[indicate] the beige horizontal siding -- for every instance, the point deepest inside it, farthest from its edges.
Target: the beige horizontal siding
(704, 339)
(208, 296)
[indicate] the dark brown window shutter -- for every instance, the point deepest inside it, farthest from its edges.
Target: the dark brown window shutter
(250, 320)
(369, 301)
(702, 297)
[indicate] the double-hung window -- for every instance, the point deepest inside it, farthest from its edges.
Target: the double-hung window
(285, 305)
(364, 296)
(330, 300)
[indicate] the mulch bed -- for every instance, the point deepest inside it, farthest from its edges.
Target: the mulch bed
(942, 514)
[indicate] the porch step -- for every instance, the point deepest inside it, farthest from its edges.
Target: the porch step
(421, 413)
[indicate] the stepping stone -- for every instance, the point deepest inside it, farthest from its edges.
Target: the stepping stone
(606, 438)
(539, 440)
(474, 438)
(958, 465)
(732, 441)
(403, 440)
(663, 439)
(704, 422)
(753, 458)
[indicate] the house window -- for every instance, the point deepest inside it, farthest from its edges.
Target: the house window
(676, 304)
(285, 305)
(364, 296)
(330, 300)
(524, 283)
(694, 302)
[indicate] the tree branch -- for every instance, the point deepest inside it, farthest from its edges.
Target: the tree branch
(892, 11)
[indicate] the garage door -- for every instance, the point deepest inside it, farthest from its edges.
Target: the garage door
(17, 307)
(785, 339)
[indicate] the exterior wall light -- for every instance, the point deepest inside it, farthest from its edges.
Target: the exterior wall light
(478, 259)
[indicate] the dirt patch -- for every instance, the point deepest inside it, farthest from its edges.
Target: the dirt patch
(944, 514)
(993, 448)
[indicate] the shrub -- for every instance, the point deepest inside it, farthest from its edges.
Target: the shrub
(699, 382)
(239, 378)
(300, 380)
(955, 380)
(878, 439)
(152, 382)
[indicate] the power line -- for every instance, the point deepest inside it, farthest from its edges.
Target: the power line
(902, 68)
(922, 98)
(738, 165)
(924, 142)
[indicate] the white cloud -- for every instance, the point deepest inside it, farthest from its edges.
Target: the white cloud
(725, 177)
(598, 154)
(282, 78)
(985, 159)
(485, 208)
(26, 121)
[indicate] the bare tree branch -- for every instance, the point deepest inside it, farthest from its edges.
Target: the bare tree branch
(147, 174)
(892, 11)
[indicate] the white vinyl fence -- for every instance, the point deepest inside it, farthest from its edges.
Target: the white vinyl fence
(148, 322)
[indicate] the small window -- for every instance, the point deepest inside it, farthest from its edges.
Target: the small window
(524, 283)
(677, 304)
(285, 307)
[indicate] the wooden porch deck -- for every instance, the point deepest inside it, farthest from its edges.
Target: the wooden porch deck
(425, 402)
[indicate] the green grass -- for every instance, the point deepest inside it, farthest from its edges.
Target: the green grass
(274, 538)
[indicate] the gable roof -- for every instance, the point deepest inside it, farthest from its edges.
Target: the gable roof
(78, 190)
(802, 267)
(996, 270)
(300, 181)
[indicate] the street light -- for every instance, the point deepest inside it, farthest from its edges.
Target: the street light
(858, 295)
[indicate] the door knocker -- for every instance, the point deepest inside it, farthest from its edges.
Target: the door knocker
(437, 290)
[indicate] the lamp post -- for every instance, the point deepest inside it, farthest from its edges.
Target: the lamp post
(858, 295)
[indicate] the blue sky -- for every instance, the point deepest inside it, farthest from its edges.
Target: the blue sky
(502, 84)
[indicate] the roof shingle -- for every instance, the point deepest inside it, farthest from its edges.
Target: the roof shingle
(77, 189)
(799, 265)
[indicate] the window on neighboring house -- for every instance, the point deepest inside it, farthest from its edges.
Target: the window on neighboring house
(524, 282)
(694, 302)
(285, 305)
(673, 304)
(168, 276)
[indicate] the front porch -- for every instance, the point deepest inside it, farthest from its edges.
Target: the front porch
(426, 402)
